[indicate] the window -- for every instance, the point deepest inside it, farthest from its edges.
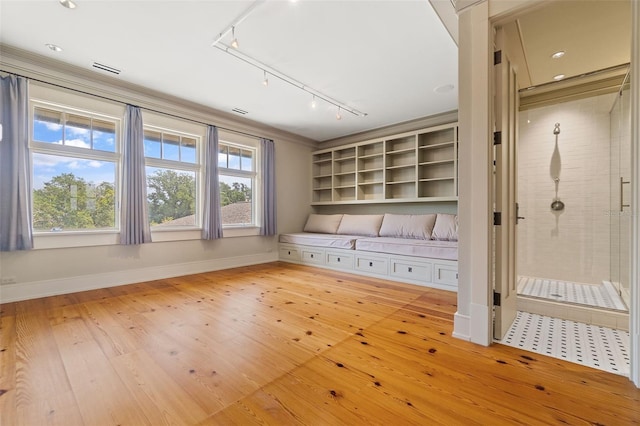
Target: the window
(172, 178)
(75, 157)
(237, 174)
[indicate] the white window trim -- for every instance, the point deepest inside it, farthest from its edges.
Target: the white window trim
(99, 109)
(246, 143)
(164, 124)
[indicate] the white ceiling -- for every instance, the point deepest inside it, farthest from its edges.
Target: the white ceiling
(384, 58)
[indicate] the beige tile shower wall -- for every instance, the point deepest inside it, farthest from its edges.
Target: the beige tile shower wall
(573, 244)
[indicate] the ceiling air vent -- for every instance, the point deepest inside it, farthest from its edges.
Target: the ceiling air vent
(240, 111)
(107, 68)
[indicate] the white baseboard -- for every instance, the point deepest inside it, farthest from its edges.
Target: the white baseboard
(44, 288)
(461, 326)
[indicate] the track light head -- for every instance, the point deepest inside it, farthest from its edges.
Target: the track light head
(69, 4)
(338, 116)
(314, 104)
(234, 42)
(266, 80)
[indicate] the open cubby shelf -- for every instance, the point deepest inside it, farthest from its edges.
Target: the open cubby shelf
(421, 165)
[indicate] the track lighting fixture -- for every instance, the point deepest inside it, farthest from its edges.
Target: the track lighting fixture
(233, 51)
(234, 42)
(54, 47)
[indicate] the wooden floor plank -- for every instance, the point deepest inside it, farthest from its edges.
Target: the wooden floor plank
(280, 344)
(162, 400)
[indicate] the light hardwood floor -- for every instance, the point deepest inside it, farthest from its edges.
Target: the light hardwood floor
(280, 344)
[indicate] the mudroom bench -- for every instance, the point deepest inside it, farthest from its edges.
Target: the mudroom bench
(416, 249)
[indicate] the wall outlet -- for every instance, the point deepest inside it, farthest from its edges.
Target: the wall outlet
(8, 280)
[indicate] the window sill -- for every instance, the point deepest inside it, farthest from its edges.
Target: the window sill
(244, 231)
(54, 240)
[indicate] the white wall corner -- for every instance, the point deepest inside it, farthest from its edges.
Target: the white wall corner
(461, 326)
(36, 289)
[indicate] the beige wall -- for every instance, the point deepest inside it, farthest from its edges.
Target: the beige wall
(49, 271)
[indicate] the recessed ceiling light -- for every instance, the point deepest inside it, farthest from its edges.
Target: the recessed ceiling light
(69, 4)
(54, 47)
(559, 54)
(444, 88)
(558, 77)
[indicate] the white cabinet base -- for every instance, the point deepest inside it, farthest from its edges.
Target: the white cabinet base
(436, 273)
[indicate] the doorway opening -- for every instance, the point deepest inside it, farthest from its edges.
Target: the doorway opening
(573, 178)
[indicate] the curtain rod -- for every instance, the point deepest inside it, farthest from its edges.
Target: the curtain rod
(126, 103)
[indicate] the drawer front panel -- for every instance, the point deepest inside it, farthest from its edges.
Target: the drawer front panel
(290, 254)
(445, 274)
(414, 271)
(372, 264)
(340, 260)
(312, 256)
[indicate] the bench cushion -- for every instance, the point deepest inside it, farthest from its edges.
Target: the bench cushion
(446, 250)
(320, 240)
(415, 226)
(360, 224)
(323, 223)
(446, 227)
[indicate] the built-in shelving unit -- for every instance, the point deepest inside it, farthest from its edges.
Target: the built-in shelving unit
(415, 166)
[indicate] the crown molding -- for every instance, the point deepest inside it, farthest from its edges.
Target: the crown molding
(64, 75)
(406, 126)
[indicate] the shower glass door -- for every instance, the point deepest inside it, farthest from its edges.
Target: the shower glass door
(620, 210)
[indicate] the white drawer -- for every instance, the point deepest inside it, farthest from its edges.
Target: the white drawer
(289, 254)
(412, 270)
(340, 260)
(312, 256)
(374, 265)
(445, 274)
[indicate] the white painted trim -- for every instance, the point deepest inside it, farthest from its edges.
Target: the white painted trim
(461, 326)
(474, 247)
(447, 14)
(36, 289)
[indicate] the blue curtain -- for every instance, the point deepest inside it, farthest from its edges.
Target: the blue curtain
(267, 149)
(15, 175)
(212, 220)
(134, 220)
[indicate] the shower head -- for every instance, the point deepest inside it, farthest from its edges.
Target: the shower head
(556, 130)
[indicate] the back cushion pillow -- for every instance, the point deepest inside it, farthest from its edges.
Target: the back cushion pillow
(360, 224)
(446, 227)
(323, 223)
(408, 226)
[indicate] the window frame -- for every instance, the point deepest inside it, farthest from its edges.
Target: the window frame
(196, 168)
(78, 237)
(235, 140)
